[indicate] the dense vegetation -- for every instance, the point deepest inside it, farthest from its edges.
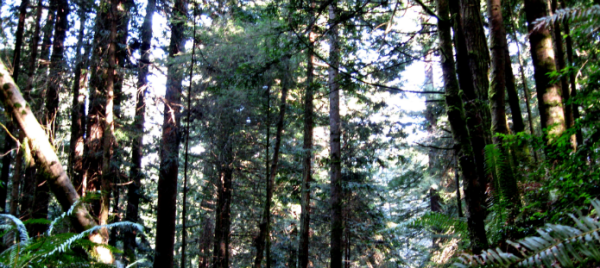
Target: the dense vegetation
(294, 133)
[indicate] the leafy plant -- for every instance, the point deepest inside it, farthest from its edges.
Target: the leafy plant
(566, 245)
(578, 13)
(52, 250)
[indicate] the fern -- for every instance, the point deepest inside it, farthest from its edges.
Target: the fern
(561, 244)
(52, 250)
(579, 13)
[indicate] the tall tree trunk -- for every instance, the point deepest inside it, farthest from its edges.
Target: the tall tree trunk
(548, 92)
(265, 226)
(187, 144)
(527, 96)
(223, 211)
(57, 66)
(474, 106)
(43, 154)
(504, 173)
(136, 174)
(335, 123)
(169, 149)
(16, 178)
(564, 82)
(513, 95)
(48, 31)
(205, 243)
(572, 80)
(474, 185)
(303, 256)
(475, 41)
(108, 139)
(16, 64)
(9, 143)
(75, 167)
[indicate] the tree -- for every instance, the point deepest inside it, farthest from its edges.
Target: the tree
(335, 124)
(548, 92)
(473, 184)
(137, 150)
(169, 149)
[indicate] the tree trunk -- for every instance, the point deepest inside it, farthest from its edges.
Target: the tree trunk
(504, 173)
(56, 68)
(205, 243)
(265, 225)
(223, 213)
(187, 144)
(474, 185)
(303, 256)
(76, 144)
(564, 83)
(16, 64)
(572, 80)
(136, 174)
(548, 93)
(337, 227)
(513, 95)
(108, 140)
(6, 160)
(37, 190)
(16, 178)
(169, 149)
(43, 153)
(473, 105)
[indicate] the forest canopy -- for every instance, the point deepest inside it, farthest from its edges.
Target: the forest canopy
(300, 133)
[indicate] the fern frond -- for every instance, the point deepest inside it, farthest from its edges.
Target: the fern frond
(566, 245)
(23, 235)
(577, 13)
(62, 216)
(494, 160)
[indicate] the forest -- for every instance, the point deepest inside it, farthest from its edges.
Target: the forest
(299, 133)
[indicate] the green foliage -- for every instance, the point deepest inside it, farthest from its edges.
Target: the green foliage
(439, 222)
(576, 13)
(54, 250)
(567, 245)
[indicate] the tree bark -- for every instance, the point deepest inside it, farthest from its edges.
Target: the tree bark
(16, 64)
(265, 225)
(564, 82)
(108, 140)
(474, 185)
(223, 212)
(303, 246)
(572, 79)
(136, 174)
(76, 144)
(548, 93)
(337, 227)
(504, 173)
(169, 149)
(473, 105)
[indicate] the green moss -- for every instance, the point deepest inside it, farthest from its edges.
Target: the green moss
(6, 86)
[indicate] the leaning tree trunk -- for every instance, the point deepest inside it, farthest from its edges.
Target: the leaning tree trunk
(136, 174)
(303, 255)
(474, 185)
(548, 92)
(337, 227)
(39, 203)
(169, 149)
(43, 153)
(504, 173)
